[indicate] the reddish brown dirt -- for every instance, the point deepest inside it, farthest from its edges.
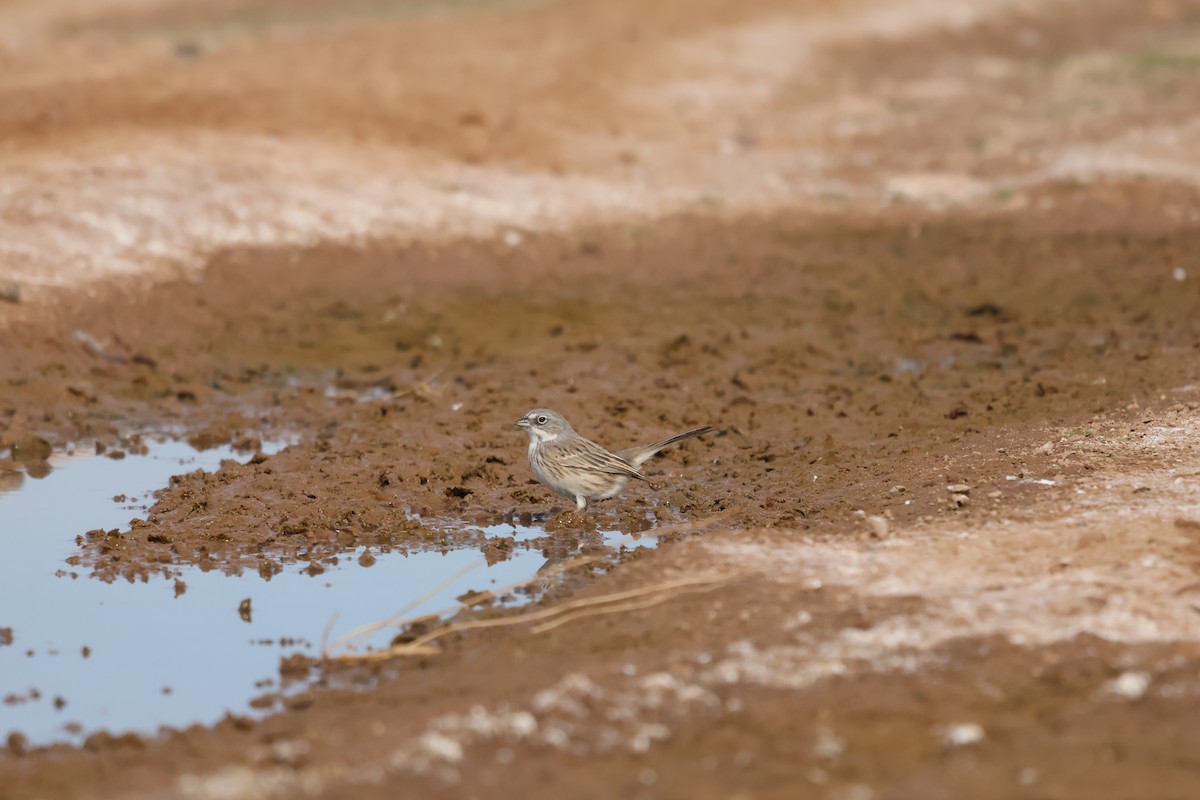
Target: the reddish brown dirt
(807, 367)
(833, 359)
(854, 363)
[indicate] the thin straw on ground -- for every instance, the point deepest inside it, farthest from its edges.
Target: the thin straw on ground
(400, 619)
(614, 603)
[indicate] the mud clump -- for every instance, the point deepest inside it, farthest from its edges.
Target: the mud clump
(28, 449)
(28, 452)
(17, 743)
(102, 741)
(229, 430)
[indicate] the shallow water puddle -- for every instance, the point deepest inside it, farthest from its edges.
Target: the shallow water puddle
(85, 655)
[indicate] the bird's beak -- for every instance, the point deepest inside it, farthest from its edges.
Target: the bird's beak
(522, 423)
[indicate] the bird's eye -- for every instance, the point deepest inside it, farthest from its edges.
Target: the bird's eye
(541, 420)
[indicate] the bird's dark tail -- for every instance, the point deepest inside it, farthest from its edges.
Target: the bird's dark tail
(639, 455)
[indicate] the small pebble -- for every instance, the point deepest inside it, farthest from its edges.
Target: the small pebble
(1131, 685)
(879, 526)
(188, 50)
(962, 734)
(18, 745)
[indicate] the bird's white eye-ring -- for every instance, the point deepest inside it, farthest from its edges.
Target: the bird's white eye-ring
(541, 420)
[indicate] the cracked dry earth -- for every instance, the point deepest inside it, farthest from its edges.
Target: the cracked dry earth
(930, 271)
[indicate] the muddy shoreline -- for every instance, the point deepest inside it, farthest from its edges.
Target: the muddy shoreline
(829, 364)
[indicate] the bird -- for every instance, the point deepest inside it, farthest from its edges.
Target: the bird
(579, 469)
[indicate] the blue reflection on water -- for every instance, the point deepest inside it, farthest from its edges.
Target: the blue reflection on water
(155, 658)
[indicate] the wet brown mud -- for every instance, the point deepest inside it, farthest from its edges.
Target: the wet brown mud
(846, 367)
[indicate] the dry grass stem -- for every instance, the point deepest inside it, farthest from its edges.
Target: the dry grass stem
(614, 603)
(663, 596)
(399, 618)
(423, 389)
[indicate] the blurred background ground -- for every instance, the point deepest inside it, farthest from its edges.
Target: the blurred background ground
(139, 136)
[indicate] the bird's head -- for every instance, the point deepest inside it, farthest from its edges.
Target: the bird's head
(544, 425)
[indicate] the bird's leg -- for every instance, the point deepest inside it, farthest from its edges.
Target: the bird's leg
(581, 503)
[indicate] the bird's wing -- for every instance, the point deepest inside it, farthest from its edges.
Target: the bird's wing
(583, 454)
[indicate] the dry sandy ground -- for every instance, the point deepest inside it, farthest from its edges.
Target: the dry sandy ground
(928, 266)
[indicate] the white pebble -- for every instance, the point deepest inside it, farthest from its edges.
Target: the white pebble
(962, 734)
(879, 526)
(441, 746)
(1131, 685)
